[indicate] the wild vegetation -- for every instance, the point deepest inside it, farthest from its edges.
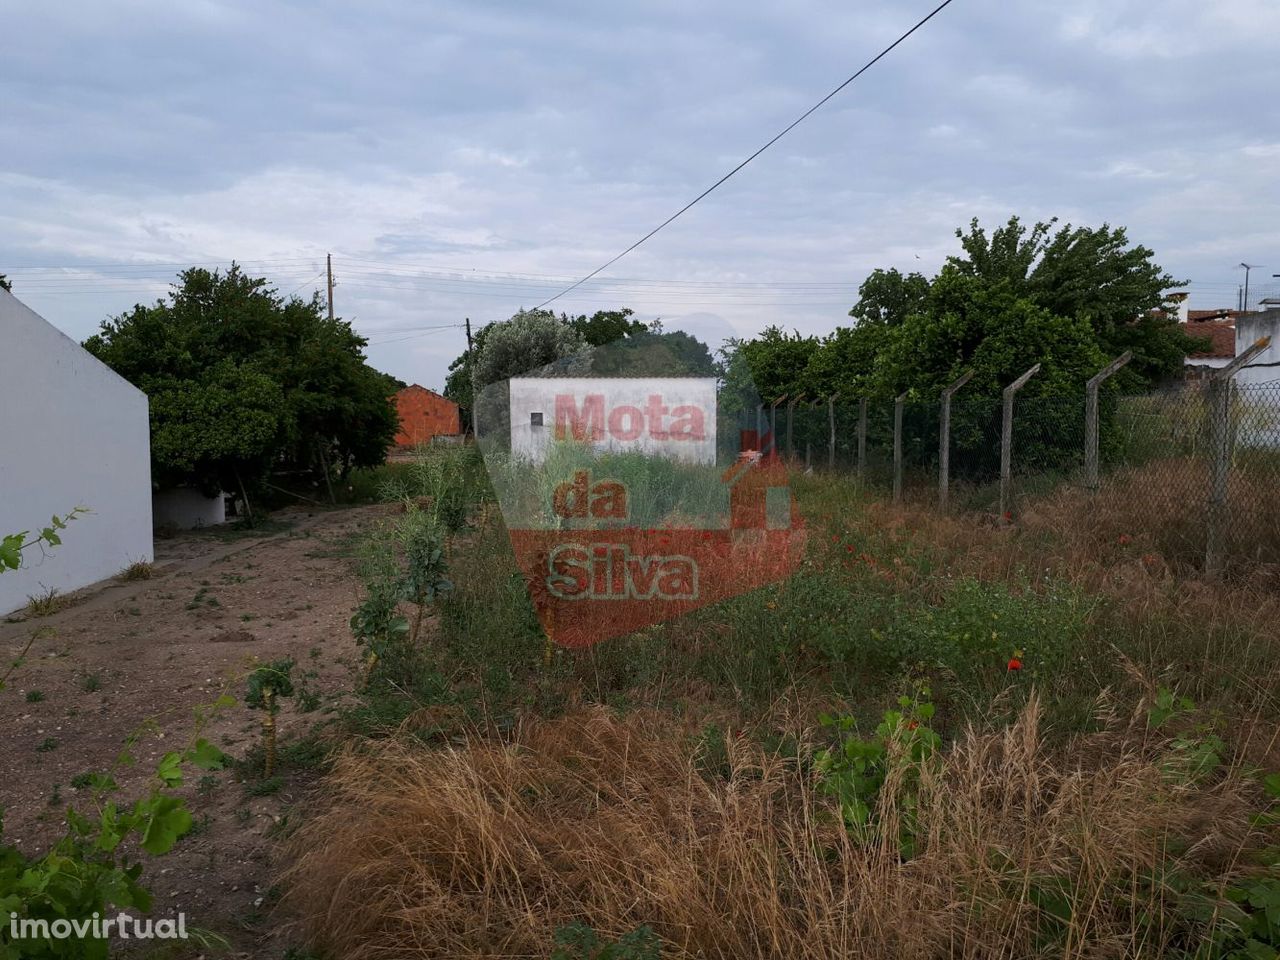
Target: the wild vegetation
(939, 737)
(241, 380)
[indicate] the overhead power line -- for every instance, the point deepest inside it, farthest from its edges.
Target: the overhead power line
(787, 129)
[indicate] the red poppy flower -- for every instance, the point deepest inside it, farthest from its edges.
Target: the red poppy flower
(911, 725)
(849, 548)
(1125, 539)
(1015, 663)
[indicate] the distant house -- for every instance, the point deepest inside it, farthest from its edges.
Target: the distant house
(424, 414)
(75, 434)
(1219, 328)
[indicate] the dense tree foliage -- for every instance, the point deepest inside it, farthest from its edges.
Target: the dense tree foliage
(1070, 299)
(606, 326)
(531, 339)
(602, 327)
(1090, 274)
(241, 380)
(654, 353)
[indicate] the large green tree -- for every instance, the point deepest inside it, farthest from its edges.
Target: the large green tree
(606, 326)
(241, 380)
(775, 362)
(602, 327)
(1091, 274)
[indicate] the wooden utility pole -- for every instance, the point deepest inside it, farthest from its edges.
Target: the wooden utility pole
(328, 269)
(474, 399)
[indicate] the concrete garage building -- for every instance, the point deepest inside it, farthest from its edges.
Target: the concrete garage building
(72, 434)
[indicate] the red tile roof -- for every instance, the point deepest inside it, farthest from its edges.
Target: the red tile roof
(1220, 333)
(1221, 313)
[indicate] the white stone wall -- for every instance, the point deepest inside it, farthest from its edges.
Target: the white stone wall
(72, 433)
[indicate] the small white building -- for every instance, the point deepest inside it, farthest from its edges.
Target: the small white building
(73, 434)
(671, 417)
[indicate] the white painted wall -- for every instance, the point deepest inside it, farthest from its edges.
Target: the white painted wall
(1259, 382)
(72, 433)
(623, 398)
(1251, 327)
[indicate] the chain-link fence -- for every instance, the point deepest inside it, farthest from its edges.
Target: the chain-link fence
(1195, 469)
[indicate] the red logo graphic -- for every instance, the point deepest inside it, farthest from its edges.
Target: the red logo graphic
(595, 577)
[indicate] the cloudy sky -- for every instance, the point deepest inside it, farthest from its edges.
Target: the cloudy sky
(466, 159)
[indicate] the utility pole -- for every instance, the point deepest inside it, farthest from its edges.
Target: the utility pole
(474, 399)
(328, 266)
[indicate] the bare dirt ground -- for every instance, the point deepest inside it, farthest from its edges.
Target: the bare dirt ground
(127, 656)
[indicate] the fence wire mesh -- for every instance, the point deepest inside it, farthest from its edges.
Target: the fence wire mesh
(1195, 469)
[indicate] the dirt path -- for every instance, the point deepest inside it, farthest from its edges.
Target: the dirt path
(122, 654)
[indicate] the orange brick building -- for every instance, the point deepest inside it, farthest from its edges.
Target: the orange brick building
(425, 414)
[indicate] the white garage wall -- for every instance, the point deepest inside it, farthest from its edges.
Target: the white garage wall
(535, 398)
(72, 433)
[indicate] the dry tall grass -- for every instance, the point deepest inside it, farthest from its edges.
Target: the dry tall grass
(1140, 539)
(483, 849)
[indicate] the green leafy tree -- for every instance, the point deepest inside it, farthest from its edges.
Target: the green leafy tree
(240, 379)
(606, 326)
(968, 324)
(655, 354)
(532, 341)
(775, 361)
(1089, 273)
(602, 327)
(887, 297)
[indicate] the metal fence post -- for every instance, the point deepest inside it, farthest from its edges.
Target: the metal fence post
(862, 438)
(897, 446)
(760, 428)
(808, 440)
(1006, 441)
(791, 407)
(1091, 417)
(773, 427)
(1220, 431)
(831, 437)
(944, 439)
